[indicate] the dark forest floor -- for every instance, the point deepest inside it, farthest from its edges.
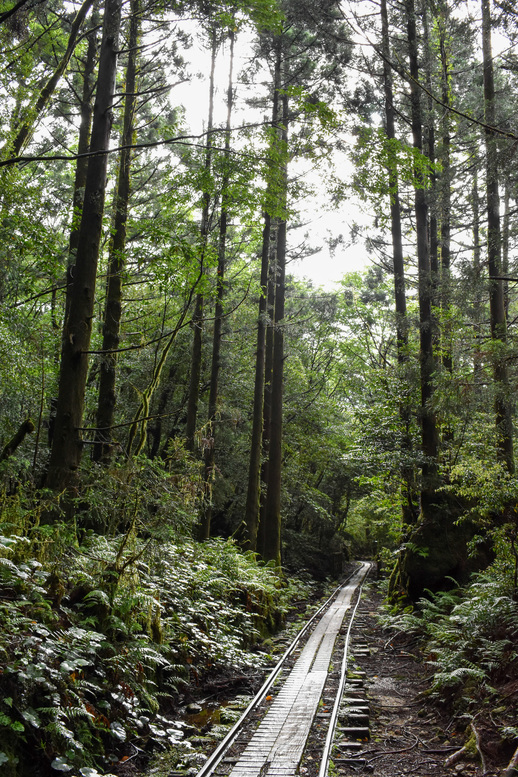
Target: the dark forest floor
(410, 734)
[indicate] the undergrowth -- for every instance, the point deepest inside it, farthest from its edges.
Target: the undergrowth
(98, 636)
(469, 637)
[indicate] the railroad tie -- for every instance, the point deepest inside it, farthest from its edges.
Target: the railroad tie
(276, 748)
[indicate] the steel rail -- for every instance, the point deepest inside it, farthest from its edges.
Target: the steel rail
(218, 754)
(324, 764)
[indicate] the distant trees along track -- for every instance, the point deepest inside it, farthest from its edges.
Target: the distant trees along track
(272, 735)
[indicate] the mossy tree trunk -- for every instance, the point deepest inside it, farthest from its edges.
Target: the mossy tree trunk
(408, 485)
(267, 394)
(427, 326)
(445, 190)
(272, 513)
(83, 143)
(258, 463)
(253, 494)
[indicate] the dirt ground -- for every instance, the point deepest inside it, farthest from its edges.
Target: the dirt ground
(409, 733)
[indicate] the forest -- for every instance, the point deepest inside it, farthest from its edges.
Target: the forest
(192, 434)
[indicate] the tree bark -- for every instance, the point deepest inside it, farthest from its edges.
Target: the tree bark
(506, 225)
(267, 395)
(67, 443)
(502, 404)
(272, 527)
(141, 417)
(477, 271)
(27, 427)
(432, 196)
(259, 448)
(83, 144)
(429, 436)
(253, 495)
(210, 446)
(107, 397)
(409, 512)
(445, 191)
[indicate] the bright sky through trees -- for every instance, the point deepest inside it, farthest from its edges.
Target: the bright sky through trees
(320, 221)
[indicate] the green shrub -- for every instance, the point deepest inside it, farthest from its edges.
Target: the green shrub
(96, 641)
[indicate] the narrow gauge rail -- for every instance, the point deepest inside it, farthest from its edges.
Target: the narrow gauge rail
(276, 745)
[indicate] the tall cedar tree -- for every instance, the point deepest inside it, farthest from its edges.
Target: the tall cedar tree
(427, 326)
(210, 436)
(197, 318)
(310, 52)
(103, 446)
(503, 418)
(271, 550)
(83, 144)
(67, 442)
(407, 473)
(442, 25)
(262, 383)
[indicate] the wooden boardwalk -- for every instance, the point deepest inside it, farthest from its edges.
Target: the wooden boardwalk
(276, 747)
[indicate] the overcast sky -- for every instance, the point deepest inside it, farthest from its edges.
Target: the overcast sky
(319, 221)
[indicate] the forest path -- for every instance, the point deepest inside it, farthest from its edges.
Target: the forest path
(273, 735)
(387, 724)
(409, 734)
(277, 746)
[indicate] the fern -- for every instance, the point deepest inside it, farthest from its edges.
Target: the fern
(77, 672)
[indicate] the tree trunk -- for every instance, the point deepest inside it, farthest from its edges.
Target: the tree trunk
(429, 148)
(103, 446)
(429, 435)
(83, 144)
(197, 319)
(412, 569)
(503, 418)
(259, 450)
(27, 427)
(477, 272)
(267, 396)
(253, 495)
(156, 429)
(210, 449)
(272, 527)
(445, 192)
(141, 417)
(506, 225)
(409, 512)
(67, 443)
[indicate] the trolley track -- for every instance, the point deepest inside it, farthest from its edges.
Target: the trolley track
(289, 727)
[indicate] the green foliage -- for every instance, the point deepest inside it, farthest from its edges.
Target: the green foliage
(374, 154)
(486, 486)
(476, 642)
(150, 496)
(469, 636)
(374, 518)
(98, 638)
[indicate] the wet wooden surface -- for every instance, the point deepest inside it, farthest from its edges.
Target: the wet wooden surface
(276, 747)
